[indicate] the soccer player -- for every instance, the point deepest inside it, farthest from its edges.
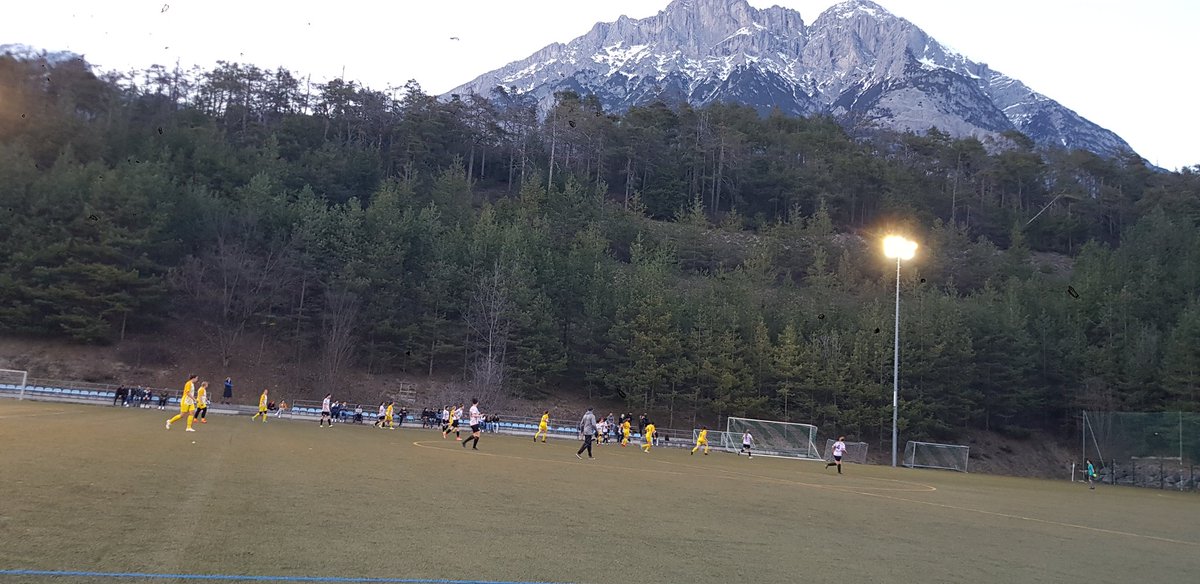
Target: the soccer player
(445, 419)
(262, 407)
(702, 440)
(543, 427)
(187, 404)
(839, 449)
(625, 431)
(326, 411)
(649, 436)
(202, 403)
(390, 414)
(1091, 473)
(455, 420)
(382, 415)
(747, 441)
(587, 427)
(476, 424)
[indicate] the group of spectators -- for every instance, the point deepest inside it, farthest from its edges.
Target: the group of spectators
(139, 397)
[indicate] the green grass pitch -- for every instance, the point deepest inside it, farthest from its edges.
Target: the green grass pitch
(110, 490)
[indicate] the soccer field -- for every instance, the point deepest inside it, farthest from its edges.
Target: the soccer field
(98, 489)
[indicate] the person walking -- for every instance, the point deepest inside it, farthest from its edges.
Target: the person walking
(587, 426)
(326, 411)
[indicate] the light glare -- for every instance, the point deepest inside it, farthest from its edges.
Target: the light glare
(898, 247)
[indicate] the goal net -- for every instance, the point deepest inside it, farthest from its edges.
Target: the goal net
(13, 381)
(855, 451)
(775, 438)
(931, 455)
(718, 440)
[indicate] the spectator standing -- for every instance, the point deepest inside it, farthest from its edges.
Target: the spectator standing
(228, 395)
(587, 427)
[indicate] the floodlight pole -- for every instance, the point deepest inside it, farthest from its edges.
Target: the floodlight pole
(896, 366)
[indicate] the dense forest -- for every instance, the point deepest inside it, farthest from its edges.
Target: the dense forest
(701, 262)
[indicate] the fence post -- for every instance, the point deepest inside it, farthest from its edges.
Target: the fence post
(1133, 471)
(1161, 479)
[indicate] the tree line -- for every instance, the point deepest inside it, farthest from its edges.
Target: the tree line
(699, 262)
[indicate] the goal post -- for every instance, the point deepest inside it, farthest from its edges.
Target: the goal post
(933, 455)
(775, 438)
(855, 451)
(14, 380)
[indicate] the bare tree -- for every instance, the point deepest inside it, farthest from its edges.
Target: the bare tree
(489, 322)
(229, 286)
(338, 323)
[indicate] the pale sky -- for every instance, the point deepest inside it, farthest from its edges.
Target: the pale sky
(1126, 65)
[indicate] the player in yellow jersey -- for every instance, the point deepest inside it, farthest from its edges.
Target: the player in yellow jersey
(389, 415)
(455, 417)
(649, 435)
(543, 427)
(187, 404)
(625, 431)
(262, 407)
(202, 403)
(702, 440)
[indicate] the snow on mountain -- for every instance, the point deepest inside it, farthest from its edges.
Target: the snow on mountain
(26, 52)
(856, 61)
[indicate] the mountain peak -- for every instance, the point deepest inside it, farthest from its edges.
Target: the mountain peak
(853, 8)
(857, 62)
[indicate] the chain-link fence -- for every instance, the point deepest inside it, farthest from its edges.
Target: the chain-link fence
(1144, 449)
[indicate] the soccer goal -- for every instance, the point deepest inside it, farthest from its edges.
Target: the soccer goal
(930, 455)
(775, 438)
(855, 451)
(14, 380)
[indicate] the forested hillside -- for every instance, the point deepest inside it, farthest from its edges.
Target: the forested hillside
(707, 262)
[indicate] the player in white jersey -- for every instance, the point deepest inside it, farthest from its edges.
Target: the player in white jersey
(839, 450)
(382, 415)
(476, 424)
(445, 419)
(326, 411)
(747, 442)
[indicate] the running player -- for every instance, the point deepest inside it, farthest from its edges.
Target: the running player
(476, 423)
(202, 403)
(543, 427)
(186, 404)
(455, 418)
(262, 407)
(839, 450)
(649, 436)
(445, 419)
(390, 414)
(326, 411)
(702, 440)
(625, 431)
(747, 441)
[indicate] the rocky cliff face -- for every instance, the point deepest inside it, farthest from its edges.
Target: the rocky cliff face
(856, 61)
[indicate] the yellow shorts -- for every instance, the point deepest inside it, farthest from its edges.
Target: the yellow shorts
(541, 427)
(702, 443)
(185, 408)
